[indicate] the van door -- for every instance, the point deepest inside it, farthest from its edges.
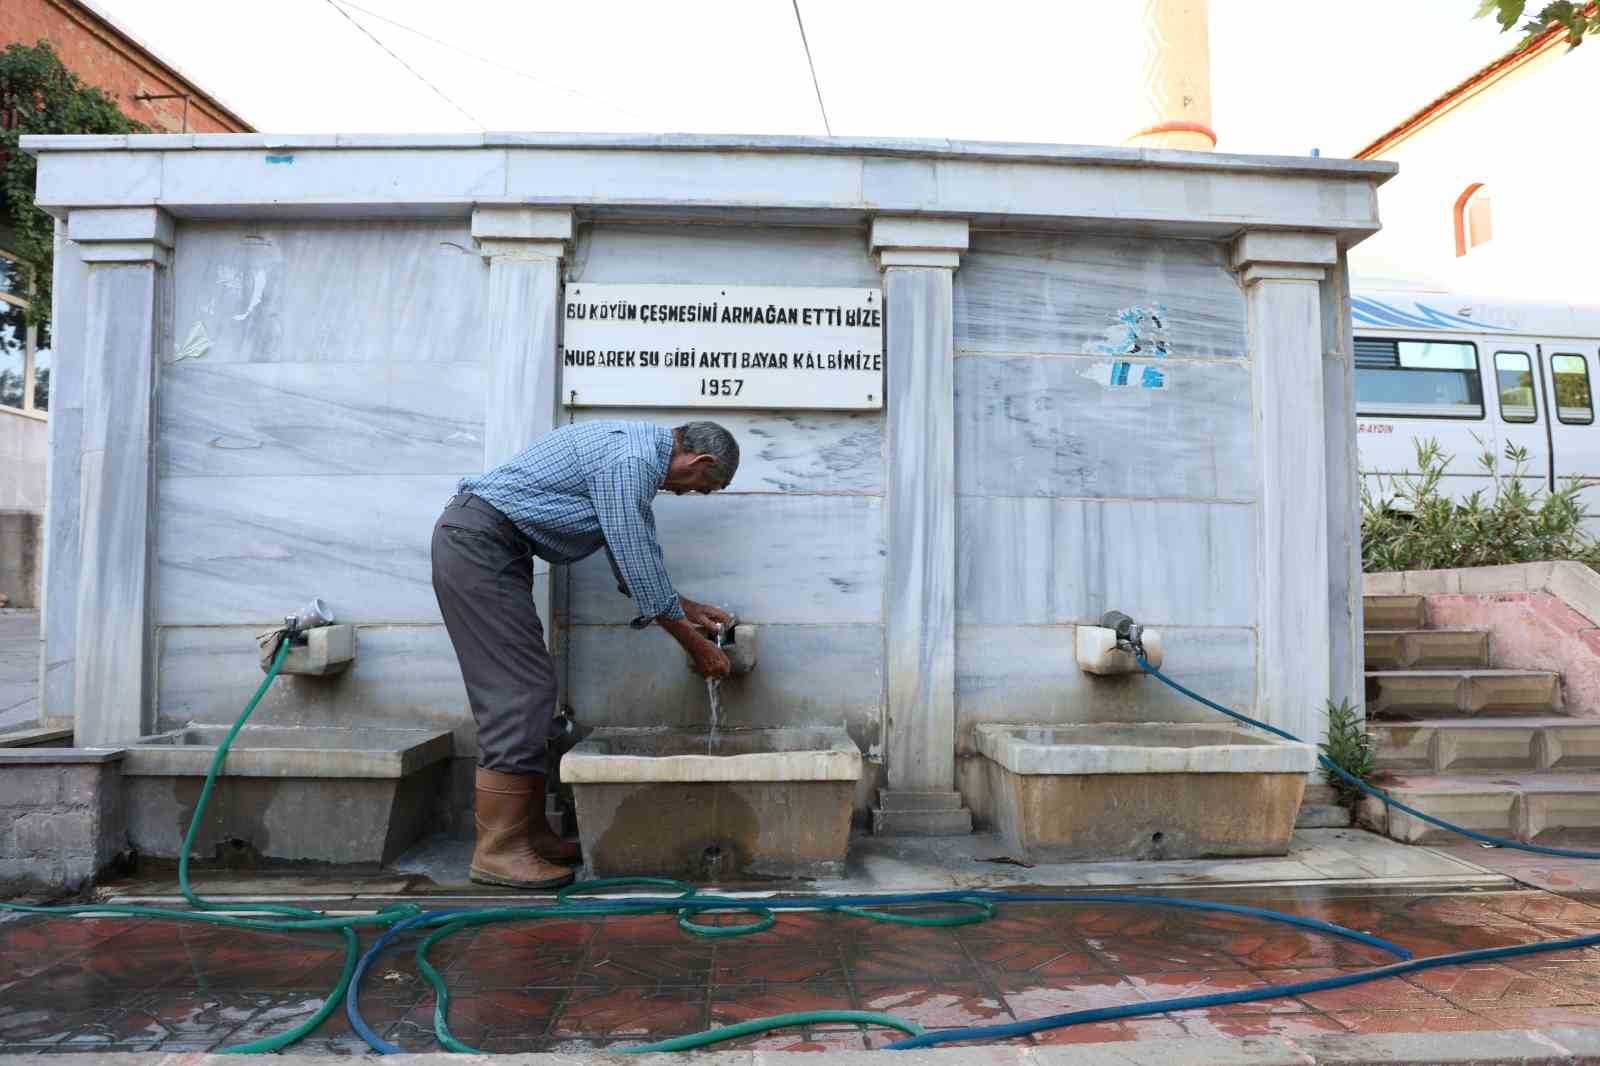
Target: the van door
(1570, 370)
(1522, 420)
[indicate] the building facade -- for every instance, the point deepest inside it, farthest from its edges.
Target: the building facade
(1489, 198)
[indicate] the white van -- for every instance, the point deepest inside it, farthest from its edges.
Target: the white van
(1476, 375)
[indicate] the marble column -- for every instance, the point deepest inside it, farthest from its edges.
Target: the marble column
(919, 257)
(524, 247)
(1347, 679)
(1282, 273)
(125, 328)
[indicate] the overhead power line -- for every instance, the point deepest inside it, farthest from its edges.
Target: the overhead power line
(373, 37)
(489, 62)
(814, 84)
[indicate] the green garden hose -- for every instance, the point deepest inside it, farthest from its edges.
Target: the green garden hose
(303, 919)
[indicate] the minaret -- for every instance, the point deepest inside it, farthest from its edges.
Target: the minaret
(1174, 107)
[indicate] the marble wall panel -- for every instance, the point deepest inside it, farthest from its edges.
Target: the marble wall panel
(402, 677)
(1167, 197)
(795, 559)
(920, 593)
(248, 550)
(1044, 426)
(787, 451)
(80, 178)
(805, 675)
(619, 176)
(335, 292)
(1018, 293)
(379, 176)
(113, 690)
(748, 255)
(237, 419)
(1022, 561)
(1014, 673)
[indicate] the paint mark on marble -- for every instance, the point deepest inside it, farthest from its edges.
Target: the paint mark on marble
(1122, 374)
(280, 159)
(196, 344)
(1137, 330)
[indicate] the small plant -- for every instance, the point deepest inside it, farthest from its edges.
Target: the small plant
(1349, 747)
(1410, 523)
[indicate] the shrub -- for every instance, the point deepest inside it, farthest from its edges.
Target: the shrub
(1411, 524)
(1349, 747)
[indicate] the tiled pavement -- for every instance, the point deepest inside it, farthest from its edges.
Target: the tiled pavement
(144, 985)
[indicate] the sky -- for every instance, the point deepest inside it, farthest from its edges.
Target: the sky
(1288, 76)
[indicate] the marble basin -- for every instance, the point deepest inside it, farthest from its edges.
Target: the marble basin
(745, 805)
(357, 795)
(1152, 790)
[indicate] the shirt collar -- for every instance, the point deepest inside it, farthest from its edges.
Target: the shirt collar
(663, 453)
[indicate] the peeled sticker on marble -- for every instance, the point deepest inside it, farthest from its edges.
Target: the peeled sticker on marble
(1123, 374)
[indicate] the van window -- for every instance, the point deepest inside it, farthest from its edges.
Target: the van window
(1417, 379)
(1513, 373)
(1574, 404)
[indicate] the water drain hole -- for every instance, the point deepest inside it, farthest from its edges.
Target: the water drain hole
(1156, 838)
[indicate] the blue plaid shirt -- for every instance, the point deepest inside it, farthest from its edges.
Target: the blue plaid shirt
(589, 486)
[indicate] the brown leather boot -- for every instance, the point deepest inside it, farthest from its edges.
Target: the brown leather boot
(545, 840)
(504, 852)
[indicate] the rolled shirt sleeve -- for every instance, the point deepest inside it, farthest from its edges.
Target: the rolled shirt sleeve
(622, 495)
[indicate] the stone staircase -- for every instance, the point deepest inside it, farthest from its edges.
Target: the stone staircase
(1488, 749)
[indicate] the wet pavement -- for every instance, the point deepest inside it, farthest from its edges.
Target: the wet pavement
(70, 984)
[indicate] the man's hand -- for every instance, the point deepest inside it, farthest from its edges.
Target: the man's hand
(705, 658)
(708, 659)
(702, 614)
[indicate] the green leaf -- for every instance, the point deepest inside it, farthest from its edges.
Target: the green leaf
(44, 97)
(1509, 12)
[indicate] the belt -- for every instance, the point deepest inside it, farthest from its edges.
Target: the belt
(478, 503)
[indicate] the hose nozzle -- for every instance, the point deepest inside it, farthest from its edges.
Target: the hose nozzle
(1130, 634)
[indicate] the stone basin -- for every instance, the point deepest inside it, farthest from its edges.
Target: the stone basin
(353, 795)
(745, 805)
(1152, 790)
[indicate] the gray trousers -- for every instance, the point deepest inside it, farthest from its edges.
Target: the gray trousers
(483, 579)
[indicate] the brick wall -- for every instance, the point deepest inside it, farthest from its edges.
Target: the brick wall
(101, 55)
(61, 818)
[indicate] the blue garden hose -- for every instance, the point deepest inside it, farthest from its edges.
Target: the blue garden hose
(1376, 793)
(1246, 995)
(1057, 1021)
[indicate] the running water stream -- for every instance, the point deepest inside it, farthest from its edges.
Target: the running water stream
(714, 695)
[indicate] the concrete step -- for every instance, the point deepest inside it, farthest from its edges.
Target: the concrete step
(946, 823)
(1456, 745)
(1530, 807)
(1426, 649)
(1424, 693)
(895, 800)
(1393, 612)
